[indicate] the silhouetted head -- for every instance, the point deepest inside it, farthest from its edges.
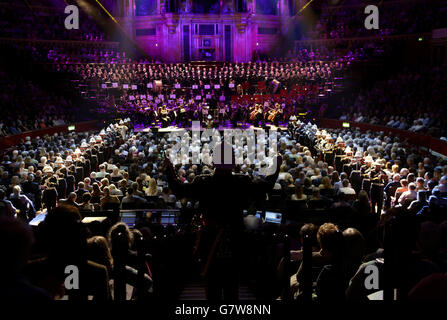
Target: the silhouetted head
(354, 244)
(223, 158)
(62, 231)
(330, 238)
(16, 240)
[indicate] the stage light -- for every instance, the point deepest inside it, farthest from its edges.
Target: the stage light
(346, 125)
(420, 39)
(71, 128)
(107, 12)
(305, 6)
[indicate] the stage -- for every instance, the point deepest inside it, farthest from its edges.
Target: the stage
(222, 127)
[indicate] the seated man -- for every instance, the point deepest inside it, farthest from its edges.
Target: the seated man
(441, 189)
(132, 201)
(346, 189)
(409, 195)
(401, 190)
(70, 201)
(108, 200)
(81, 190)
(23, 203)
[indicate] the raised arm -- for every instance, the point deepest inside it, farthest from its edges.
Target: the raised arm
(180, 189)
(263, 186)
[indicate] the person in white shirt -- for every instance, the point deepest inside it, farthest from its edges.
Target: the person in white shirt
(411, 194)
(346, 189)
(102, 172)
(339, 184)
(441, 188)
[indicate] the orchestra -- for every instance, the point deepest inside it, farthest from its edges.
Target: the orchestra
(181, 111)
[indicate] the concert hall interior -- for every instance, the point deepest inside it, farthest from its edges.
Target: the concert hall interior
(241, 150)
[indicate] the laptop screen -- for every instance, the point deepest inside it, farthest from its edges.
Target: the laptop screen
(273, 217)
(38, 219)
(129, 218)
(164, 217)
(168, 217)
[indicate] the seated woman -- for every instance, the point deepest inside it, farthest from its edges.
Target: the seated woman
(299, 194)
(96, 193)
(330, 241)
(308, 188)
(326, 188)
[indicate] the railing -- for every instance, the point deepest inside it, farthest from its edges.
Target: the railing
(421, 140)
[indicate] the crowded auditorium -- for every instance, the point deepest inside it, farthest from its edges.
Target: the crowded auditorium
(292, 152)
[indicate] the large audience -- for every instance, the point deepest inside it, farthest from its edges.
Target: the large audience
(410, 100)
(22, 22)
(38, 107)
(116, 202)
(351, 182)
(395, 18)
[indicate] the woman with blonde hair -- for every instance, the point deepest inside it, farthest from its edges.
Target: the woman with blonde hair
(395, 168)
(152, 189)
(104, 183)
